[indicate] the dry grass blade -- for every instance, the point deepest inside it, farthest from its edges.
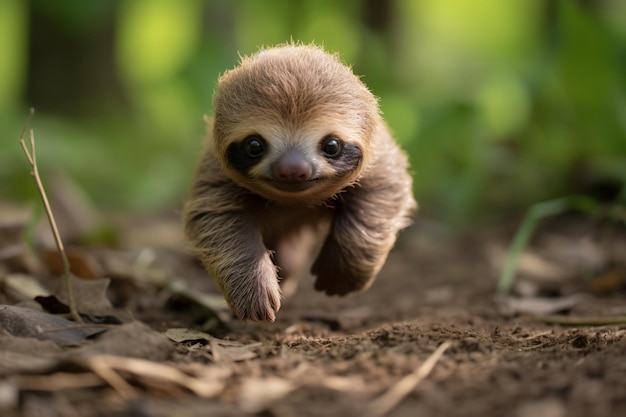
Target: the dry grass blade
(107, 366)
(108, 374)
(31, 155)
(387, 401)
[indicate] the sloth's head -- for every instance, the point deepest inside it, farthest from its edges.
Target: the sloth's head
(293, 124)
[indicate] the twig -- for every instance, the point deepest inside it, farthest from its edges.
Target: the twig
(32, 160)
(531, 337)
(109, 367)
(387, 401)
(107, 373)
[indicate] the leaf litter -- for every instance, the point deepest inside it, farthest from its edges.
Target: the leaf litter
(178, 350)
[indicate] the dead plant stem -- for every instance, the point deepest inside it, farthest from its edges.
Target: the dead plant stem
(32, 160)
(390, 399)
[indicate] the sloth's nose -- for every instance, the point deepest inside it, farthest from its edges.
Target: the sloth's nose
(292, 167)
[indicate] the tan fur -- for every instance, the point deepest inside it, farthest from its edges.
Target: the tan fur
(247, 230)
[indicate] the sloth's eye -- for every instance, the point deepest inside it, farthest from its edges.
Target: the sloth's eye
(254, 146)
(331, 146)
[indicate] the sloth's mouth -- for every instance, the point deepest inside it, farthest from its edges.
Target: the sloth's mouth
(293, 187)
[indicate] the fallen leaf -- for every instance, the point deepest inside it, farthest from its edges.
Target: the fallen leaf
(82, 263)
(259, 394)
(608, 281)
(91, 301)
(25, 322)
(232, 353)
(134, 339)
(90, 295)
(26, 355)
(26, 286)
(221, 350)
(52, 305)
(180, 335)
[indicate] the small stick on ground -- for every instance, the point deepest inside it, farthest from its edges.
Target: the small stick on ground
(390, 399)
(108, 374)
(32, 160)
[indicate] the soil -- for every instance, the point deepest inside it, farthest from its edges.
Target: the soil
(329, 356)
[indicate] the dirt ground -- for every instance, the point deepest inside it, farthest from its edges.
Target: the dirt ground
(362, 355)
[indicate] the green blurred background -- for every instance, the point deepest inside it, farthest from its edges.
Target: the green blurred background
(499, 103)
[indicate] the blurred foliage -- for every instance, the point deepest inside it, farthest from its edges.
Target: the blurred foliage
(498, 103)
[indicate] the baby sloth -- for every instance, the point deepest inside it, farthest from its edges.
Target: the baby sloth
(296, 150)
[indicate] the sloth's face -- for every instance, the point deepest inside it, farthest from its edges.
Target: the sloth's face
(306, 166)
(293, 124)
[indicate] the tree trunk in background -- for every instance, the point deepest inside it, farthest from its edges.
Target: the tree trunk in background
(71, 60)
(378, 15)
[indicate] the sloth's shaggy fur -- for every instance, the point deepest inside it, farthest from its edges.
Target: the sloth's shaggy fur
(296, 151)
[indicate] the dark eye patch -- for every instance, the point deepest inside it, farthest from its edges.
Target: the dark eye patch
(348, 160)
(245, 154)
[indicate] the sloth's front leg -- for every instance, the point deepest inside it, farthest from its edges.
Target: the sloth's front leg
(364, 230)
(350, 258)
(230, 246)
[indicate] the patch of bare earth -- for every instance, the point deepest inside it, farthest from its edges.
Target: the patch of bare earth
(340, 356)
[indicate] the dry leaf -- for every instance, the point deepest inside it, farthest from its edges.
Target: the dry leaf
(26, 355)
(227, 352)
(180, 335)
(26, 286)
(25, 322)
(90, 295)
(134, 339)
(222, 350)
(608, 281)
(82, 263)
(258, 394)
(91, 301)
